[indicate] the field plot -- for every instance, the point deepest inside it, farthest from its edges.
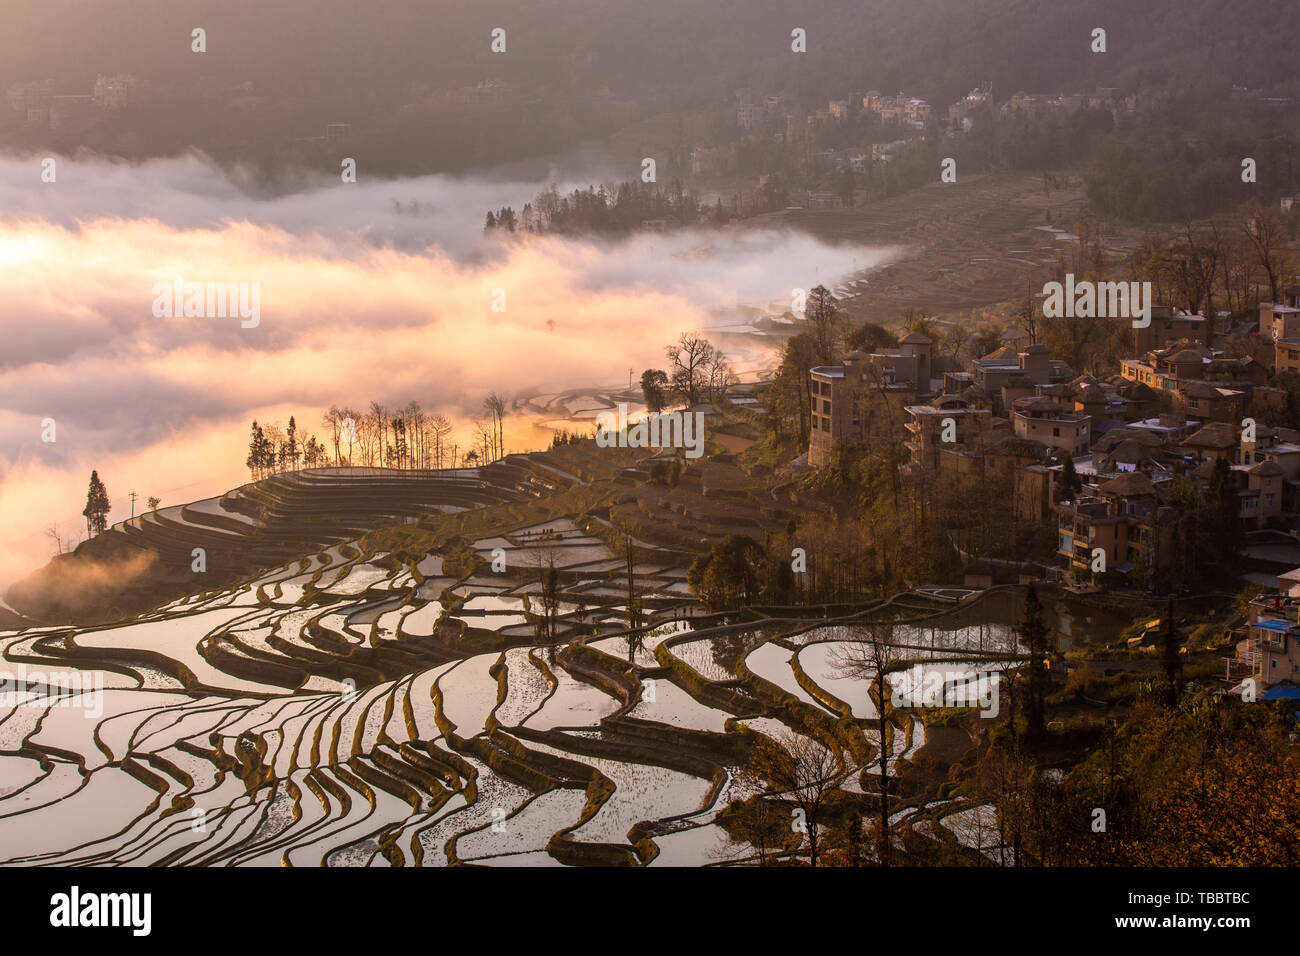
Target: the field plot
(389, 698)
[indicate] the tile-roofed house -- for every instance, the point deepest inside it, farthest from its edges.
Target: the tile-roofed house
(1127, 433)
(1214, 440)
(1135, 485)
(1128, 455)
(1215, 403)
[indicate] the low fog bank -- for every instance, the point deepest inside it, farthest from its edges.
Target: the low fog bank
(360, 297)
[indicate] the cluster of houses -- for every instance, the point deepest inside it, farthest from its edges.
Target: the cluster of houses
(1267, 648)
(1170, 415)
(778, 114)
(908, 112)
(1039, 105)
(39, 103)
(902, 118)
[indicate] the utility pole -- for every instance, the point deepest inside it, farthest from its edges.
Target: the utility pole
(133, 506)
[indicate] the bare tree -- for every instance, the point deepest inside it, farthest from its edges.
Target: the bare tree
(441, 431)
(415, 419)
(691, 357)
(52, 532)
(279, 446)
(495, 406)
(798, 769)
(719, 374)
(633, 602)
(550, 594)
(760, 822)
(793, 383)
(1025, 316)
(332, 420)
(379, 422)
(1268, 240)
(350, 435)
(822, 314)
(871, 655)
(483, 432)
(955, 339)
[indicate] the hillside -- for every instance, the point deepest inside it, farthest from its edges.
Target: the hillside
(357, 708)
(570, 76)
(139, 563)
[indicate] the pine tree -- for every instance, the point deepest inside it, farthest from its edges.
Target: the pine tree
(254, 461)
(291, 445)
(97, 506)
(265, 454)
(1070, 483)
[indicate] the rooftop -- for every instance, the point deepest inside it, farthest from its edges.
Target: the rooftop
(1048, 408)
(1126, 486)
(1213, 435)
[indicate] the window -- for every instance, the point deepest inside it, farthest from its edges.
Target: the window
(1268, 501)
(1056, 433)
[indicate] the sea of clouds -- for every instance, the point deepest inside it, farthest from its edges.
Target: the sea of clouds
(369, 290)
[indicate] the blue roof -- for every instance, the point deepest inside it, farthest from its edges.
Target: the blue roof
(1282, 692)
(1269, 624)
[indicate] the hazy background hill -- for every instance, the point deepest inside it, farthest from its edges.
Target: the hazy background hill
(581, 69)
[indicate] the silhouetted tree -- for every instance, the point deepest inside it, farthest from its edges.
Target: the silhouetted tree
(654, 387)
(1070, 483)
(97, 506)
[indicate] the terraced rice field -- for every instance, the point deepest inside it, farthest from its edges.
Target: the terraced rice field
(354, 707)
